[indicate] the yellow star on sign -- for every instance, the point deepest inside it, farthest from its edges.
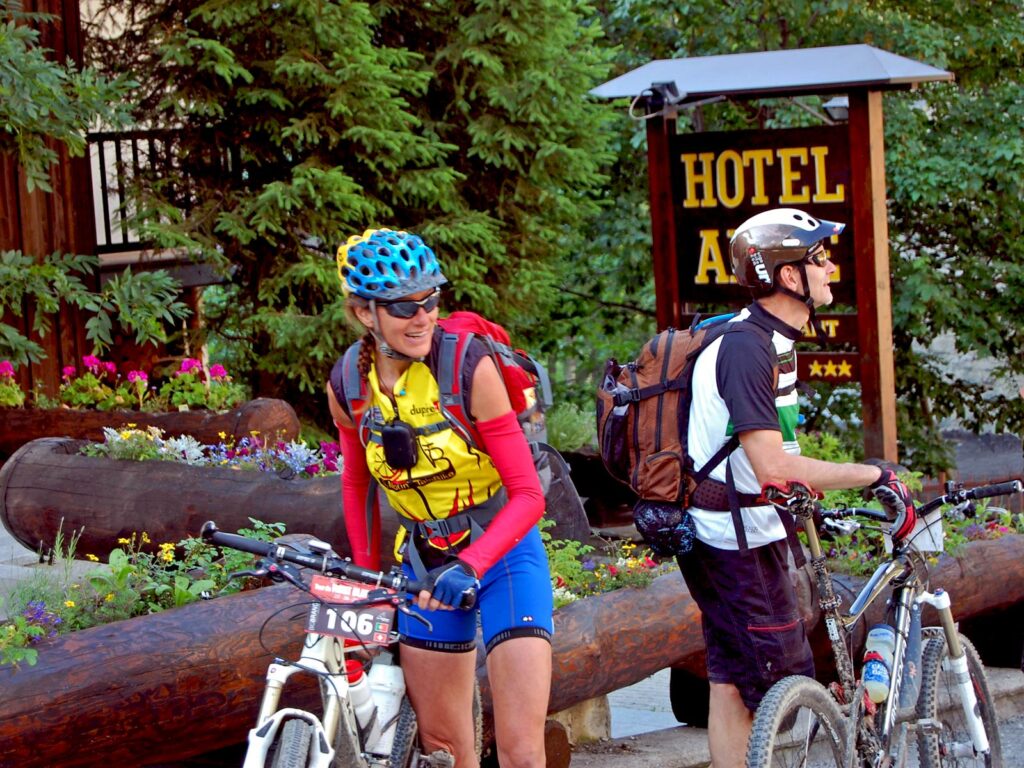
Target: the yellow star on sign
(845, 369)
(830, 369)
(815, 368)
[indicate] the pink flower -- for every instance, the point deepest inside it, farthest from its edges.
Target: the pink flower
(134, 376)
(312, 469)
(68, 372)
(188, 365)
(6, 368)
(218, 371)
(91, 362)
(109, 368)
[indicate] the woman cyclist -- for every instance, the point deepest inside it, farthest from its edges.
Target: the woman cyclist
(488, 495)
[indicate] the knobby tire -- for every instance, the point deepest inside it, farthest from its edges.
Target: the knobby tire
(940, 700)
(403, 748)
(798, 723)
(291, 747)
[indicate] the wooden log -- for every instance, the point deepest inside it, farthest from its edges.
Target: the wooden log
(267, 416)
(47, 484)
(185, 682)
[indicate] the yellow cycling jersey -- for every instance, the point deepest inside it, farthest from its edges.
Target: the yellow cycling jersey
(449, 476)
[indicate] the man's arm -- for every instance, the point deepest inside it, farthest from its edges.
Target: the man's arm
(772, 464)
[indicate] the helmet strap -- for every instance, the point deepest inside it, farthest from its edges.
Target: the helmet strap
(804, 298)
(386, 349)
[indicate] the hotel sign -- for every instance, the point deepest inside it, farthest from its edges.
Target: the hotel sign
(721, 179)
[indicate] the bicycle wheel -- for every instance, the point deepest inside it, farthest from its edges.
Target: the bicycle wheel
(798, 723)
(940, 702)
(403, 748)
(291, 747)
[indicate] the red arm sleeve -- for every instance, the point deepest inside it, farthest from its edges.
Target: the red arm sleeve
(355, 485)
(504, 442)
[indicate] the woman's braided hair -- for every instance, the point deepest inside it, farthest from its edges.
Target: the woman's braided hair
(366, 351)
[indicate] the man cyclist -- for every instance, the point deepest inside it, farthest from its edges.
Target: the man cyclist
(738, 571)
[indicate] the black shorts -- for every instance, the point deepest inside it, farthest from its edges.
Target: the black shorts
(753, 630)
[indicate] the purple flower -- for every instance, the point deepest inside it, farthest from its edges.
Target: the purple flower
(589, 565)
(68, 372)
(218, 371)
(6, 368)
(91, 362)
(312, 469)
(134, 376)
(109, 368)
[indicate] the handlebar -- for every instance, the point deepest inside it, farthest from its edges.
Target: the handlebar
(325, 562)
(796, 494)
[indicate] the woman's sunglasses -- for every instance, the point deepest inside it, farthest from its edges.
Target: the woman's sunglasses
(406, 308)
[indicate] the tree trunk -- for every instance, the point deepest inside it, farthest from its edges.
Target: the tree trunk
(48, 485)
(185, 682)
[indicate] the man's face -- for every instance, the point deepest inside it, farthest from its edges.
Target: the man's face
(819, 269)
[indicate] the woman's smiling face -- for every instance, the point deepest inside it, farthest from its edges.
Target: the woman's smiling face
(410, 336)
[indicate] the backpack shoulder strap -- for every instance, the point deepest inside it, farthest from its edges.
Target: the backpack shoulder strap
(452, 399)
(346, 383)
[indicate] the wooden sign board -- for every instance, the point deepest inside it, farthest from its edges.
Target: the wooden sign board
(830, 367)
(836, 329)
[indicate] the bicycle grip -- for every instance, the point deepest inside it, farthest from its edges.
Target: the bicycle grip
(210, 532)
(996, 489)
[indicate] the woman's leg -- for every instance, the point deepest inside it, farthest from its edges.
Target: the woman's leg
(519, 671)
(440, 687)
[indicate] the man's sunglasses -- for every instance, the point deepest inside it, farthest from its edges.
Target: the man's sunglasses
(406, 308)
(819, 258)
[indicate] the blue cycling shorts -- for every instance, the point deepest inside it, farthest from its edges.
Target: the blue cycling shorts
(514, 601)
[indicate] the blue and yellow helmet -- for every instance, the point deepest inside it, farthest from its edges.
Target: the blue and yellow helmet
(387, 264)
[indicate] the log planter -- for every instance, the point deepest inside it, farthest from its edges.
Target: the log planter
(264, 415)
(185, 682)
(47, 484)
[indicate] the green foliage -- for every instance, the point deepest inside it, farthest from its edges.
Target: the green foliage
(43, 102)
(301, 123)
(140, 577)
(571, 427)
(143, 304)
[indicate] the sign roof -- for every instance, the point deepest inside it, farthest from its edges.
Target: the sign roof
(829, 69)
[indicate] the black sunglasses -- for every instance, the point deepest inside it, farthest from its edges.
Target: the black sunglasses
(406, 308)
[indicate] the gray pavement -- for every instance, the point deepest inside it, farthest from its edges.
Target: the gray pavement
(646, 735)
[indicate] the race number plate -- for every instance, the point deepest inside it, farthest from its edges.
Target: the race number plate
(368, 624)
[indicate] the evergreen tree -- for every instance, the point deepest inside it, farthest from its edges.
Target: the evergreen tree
(297, 124)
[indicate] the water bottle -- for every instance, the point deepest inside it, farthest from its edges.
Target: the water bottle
(388, 686)
(361, 696)
(878, 655)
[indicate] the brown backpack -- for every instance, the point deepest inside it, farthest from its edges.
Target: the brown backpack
(643, 410)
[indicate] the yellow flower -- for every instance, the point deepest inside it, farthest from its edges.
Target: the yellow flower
(93, 558)
(69, 603)
(167, 556)
(123, 540)
(126, 434)
(222, 435)
(130, 425)
(110, 597)
(145, 538)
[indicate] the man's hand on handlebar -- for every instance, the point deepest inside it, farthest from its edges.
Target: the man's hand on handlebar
(895, 498)
(447, 585)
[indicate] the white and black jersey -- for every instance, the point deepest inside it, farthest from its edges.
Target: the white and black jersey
(733, 392)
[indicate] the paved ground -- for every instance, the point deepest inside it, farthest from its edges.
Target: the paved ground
(645, 734)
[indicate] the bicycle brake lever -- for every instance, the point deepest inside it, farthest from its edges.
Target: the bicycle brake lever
(842, 527)
(260, 573)
(404, 608)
